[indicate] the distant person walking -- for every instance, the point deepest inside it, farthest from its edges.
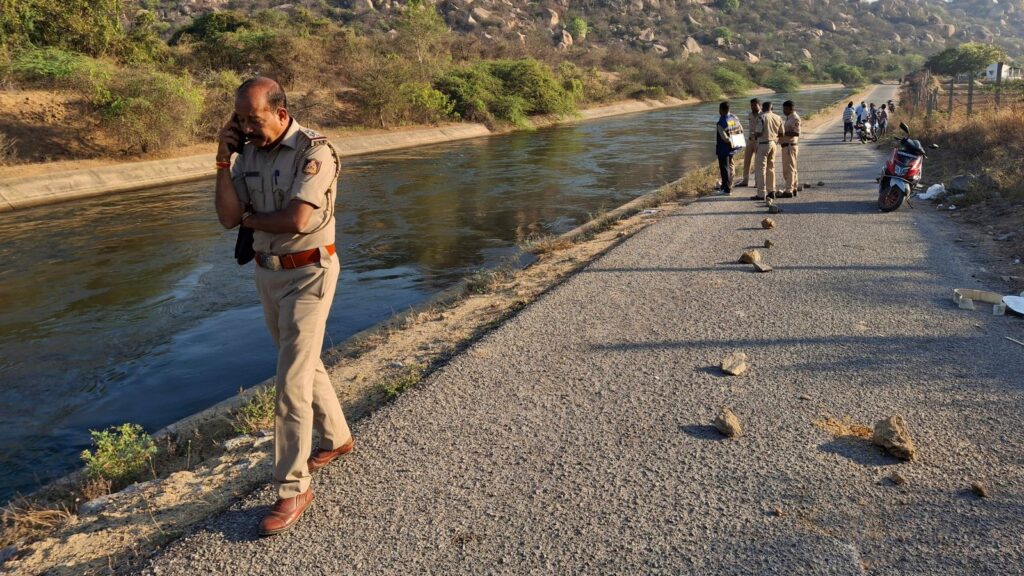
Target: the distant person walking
(751, 149)
(730, 132)
(768, 129)
(849, 116)
(789, 141)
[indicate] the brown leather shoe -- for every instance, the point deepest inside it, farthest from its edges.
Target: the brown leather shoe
(324, 457)
(284, 513)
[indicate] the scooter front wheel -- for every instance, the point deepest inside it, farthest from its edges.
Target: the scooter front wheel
(891, 199)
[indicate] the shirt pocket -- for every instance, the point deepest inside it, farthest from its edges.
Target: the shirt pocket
(254, 183)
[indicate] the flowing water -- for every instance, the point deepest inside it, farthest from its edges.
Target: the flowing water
(131, 308)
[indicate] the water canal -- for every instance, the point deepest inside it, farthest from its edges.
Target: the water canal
(131, 308)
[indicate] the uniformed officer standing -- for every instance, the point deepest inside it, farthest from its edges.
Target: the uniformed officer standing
(768, 130)
(790, 144)
(282, 185)
(748, 152)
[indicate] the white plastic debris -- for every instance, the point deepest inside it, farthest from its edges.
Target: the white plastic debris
(952, 207)
(933, 191)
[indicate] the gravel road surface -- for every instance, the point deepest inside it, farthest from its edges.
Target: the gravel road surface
(575, 438)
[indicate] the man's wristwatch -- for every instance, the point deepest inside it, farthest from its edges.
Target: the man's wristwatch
(248, 212)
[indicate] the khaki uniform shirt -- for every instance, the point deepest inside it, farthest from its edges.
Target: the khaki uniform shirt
(754, 122)
(302, 166)
(771, 127)
(791, 129)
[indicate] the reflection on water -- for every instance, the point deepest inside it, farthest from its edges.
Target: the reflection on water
(130, 308)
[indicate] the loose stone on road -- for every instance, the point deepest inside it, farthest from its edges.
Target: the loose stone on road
(575, 438)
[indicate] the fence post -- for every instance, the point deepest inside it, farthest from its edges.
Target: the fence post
(970, 94)
(952, 87)
(999, 83)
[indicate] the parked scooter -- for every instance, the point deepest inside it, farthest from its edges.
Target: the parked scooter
(902, 172)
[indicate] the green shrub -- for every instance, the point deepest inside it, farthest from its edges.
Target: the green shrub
(425, 103)
(505, 91)
(578, 28)
(120, 455)
(781, 81)
(703, 87)
(258, 413)
(847, 74)
(46, 65)
(60, 69)
(722, 32)
(149, 110)
(88, 26)
(731, 82)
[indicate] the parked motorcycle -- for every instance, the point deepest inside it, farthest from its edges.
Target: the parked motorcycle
(865, 132)
(902, 171)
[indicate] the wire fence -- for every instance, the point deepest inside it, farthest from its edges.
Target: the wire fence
(950, 97)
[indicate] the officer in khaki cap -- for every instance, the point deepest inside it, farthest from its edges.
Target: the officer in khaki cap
(282, 185)
(748, 152)
(790, 144)
(768, 129)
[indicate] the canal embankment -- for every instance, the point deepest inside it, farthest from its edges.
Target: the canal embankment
(36, 188)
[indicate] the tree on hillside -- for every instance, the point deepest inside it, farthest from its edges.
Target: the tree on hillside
(966, 58)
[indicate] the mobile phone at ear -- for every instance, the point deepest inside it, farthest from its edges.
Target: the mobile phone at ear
(242, 138)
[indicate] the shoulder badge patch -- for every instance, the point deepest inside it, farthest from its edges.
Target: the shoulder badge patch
(311, 168)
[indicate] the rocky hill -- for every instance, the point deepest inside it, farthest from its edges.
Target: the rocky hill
(789, 31)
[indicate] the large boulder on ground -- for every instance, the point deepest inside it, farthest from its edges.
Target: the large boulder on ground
(647, 35)
(692, 45)
(553, 19)
(751, 58)
(564, 40)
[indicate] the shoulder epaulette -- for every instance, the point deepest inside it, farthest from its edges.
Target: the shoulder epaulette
(315, 138)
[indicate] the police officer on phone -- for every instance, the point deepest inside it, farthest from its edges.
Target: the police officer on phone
(282, 185)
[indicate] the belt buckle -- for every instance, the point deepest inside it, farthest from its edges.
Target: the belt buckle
(269, 261)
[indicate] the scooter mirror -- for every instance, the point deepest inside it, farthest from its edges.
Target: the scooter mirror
(904, 127)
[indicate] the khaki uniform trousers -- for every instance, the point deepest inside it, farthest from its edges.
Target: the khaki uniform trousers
(789, 171)
(764, 168)
(748, 155)
(296, 303)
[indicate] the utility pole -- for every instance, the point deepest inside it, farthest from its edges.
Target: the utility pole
(999, 83)
(952, 87)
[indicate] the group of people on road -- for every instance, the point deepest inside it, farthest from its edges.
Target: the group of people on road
(769, 133)
(873, 121)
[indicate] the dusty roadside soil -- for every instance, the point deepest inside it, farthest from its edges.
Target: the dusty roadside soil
(113, 532)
